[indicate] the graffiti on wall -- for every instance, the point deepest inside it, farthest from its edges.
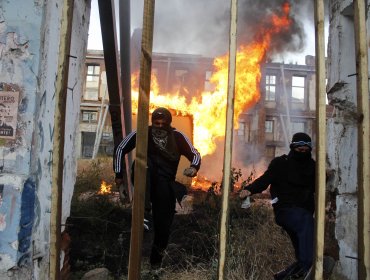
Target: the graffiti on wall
(8, 113)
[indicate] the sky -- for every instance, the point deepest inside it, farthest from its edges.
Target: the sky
(202, 27)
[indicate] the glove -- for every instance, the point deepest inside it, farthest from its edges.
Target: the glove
(190, 172)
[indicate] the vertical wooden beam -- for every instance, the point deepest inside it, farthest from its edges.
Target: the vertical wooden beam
(320, 140)
(141, 141)
(59, 137)
(363, 178)
(228, 140)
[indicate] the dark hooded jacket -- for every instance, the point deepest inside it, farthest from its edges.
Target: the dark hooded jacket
(160, 162)
(291, 181)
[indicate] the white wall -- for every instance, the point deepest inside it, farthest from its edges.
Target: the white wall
(342, 135)
(29, 45)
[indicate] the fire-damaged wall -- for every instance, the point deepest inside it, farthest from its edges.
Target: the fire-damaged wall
(342, 137)
(29, 45)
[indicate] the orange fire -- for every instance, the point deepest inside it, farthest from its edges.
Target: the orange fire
(209, 109)
(105, 188)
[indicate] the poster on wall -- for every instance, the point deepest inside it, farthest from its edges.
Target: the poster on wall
(8, 113)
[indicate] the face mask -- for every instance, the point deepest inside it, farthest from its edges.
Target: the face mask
(160, 137)
(159, 132)
(300, 156)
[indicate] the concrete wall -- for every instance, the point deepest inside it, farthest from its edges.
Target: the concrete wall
(342, 135)
(29, 45)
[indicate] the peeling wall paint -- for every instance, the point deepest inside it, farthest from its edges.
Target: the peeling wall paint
(29, 45)
(81, 18)
(10, 218)
(26, 223)
(342, 135)
(19, 48)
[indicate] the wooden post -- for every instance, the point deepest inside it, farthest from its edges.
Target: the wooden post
(320, 140)
(59, 138)
(228, 141)
(363, 178)
(141, 142)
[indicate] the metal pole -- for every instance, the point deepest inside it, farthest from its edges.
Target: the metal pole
(141, 141)
(110, 48)
(124, 19)
(125, 56)
(228, 140)
(108, 31)
(363, 178)
(320, 140)
(59, 138)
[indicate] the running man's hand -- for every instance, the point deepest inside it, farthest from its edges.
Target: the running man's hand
(244, 193)
(119, 181)
(190, 172)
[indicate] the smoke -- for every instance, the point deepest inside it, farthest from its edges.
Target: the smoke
(202, 27)
(253, 15)
(246, 158)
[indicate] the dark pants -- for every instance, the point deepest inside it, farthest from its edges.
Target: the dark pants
(299, 224)
(163, 209)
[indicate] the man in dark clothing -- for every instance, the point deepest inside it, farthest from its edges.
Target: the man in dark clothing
(292, 185)
(165, 147)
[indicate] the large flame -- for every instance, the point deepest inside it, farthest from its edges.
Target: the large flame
(209, 109)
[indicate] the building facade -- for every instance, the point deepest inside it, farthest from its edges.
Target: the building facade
(286, 106)
(287, 103)
(186, 74)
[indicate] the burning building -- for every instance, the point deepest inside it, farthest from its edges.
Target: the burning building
(285, 105)
(43, 53)
(273, 100)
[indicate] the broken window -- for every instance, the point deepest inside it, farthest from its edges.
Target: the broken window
(92, 82)
(181, 75)
(241, 127)
(270, 88)
(208, 86)
(298, 89)
(298, 126)
(89, 116)
(269, 126)
(270, 151)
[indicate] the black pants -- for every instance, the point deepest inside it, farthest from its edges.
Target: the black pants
(299, 224)
(163, 209)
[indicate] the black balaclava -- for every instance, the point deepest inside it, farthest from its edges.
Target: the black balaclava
(298, 140)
